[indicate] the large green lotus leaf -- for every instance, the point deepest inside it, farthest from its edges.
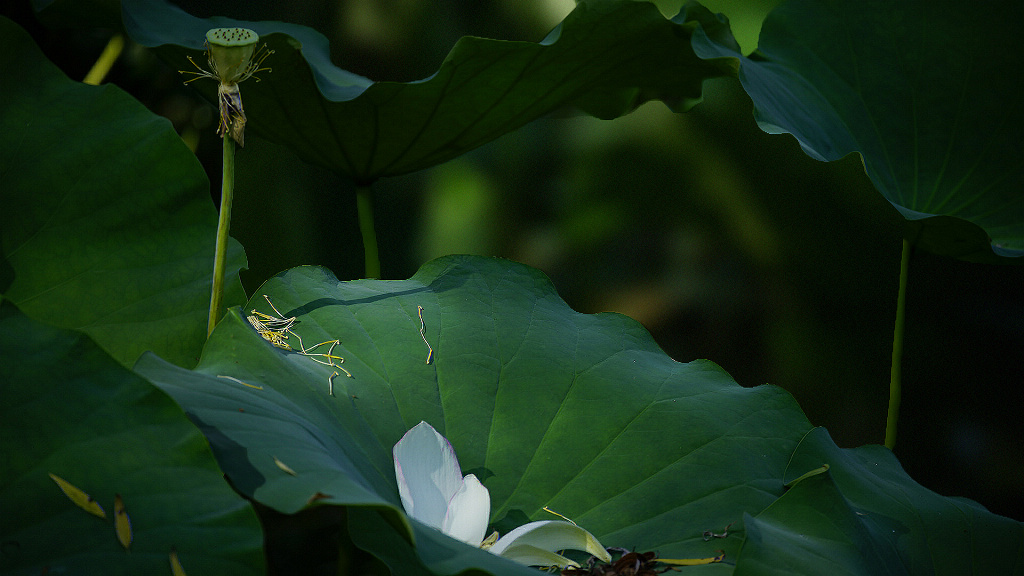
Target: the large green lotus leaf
(865, 502)
(605, 58)
(920, 90)
(549, 407)
(582, 413)
(71, 410)
(107, 225)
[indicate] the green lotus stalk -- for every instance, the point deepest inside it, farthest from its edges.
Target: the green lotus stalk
(364, 204)
(227, 192)
(106, 60)
(233, 58)
(896, 367)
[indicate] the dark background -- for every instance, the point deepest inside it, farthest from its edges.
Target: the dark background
(725, 242)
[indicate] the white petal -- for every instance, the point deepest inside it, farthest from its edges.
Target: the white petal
(468, 512)
(550, 536)
(533, 556)
(428, 474)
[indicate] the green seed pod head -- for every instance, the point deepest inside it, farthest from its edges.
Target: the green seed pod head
(231, 51)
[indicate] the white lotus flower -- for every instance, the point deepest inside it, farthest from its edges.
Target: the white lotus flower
(435, 492)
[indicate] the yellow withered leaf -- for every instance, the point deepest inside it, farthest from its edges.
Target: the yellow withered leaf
(176, 568)
(122, 525)
(79, 497)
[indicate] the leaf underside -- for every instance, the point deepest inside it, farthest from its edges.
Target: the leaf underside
(605, 58)
(920, 91)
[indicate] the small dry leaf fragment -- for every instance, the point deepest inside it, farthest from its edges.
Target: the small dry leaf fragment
(317, 496)
(694, 561)
(176, 568)
(629, 564)
(232, 113)
(79, 497)
(284, 467)
(709, 534)
(638, 564)
(122, 524)
(490, 540)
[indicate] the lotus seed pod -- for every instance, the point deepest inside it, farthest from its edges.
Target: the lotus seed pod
(231, 52)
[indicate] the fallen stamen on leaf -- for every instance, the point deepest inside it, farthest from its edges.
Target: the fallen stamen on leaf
(550, 511)
(318, 496)
(430, 351)
(330, 357)
(232, 378)
(275, 329)
(284, 466)
(272, 335)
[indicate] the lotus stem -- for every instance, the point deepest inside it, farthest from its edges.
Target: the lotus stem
(227, 191)
(106, 60)
(364, 202)
(897, 351)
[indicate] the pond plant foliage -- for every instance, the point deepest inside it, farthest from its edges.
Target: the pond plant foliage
(135, 442)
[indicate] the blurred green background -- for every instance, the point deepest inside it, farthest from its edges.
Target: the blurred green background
(725, 242)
